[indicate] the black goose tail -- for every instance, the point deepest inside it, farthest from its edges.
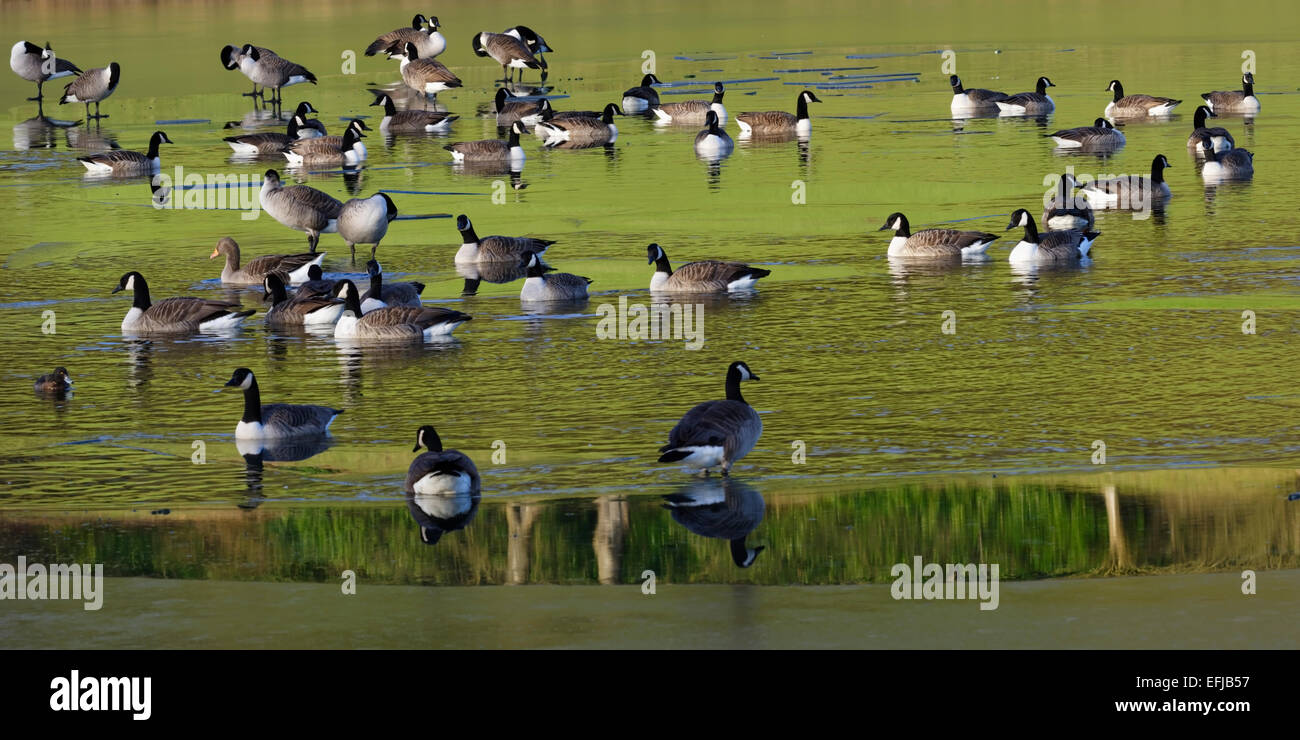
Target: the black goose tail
(673, 455)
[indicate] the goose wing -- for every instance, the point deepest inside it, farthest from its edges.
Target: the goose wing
(421, 317)
(481, 148)
(1060, 245)
(698, 108)
(980, 95)
(303, 418)
(714, 272)
(733, 425)
(266, 143)
(394, 40)
(186, 310)
(768, 119)
(418, 118)
(1143, 102)
(317, 145)
(117, 157)
(286, 263)
(446, 462)
(505, 49)
(1024, 98)
(88, 86)
(283, 69)
(398, 294)
(944, 242)
(1223, 99)
(430, 70)
(308, 197)
(1085, 135)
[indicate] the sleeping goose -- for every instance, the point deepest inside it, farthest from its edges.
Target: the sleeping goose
(93, 87)
(56, 382)
(232, 58)
(299, 207)
(713, 141)
(180, 315)
(439, 471)
(410, 121)
(1065, 211)
(495, 248)
(1234, 164)
(121, 162)
(1221, 140)
(383, 294)
(1234, 101)
(276, 420)
(721, 508)
(1131, 192)
(1136, 106)
(1068, 245)
(705, 276)
(643, 97)
(1029, 103)
(535, 43)
(322, 151)
(428, 41)
(365, 221)
(692, 112)
(716, 434)
(426, 75)
(1100, 136)
(31, 63)
(295, 266)
(271, 142)
(509, 51)
(581, 129)
(973, 100)
(316, 282)
(304, 308)
(779, 123)
(268, 69)
(934, 243)
(508, 110)
(555, 286)
(392, 322)
(491, 150)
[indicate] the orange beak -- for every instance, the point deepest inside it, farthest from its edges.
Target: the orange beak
(215, 252)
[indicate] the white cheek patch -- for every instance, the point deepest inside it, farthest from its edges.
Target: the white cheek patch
(130, 283)
(1024, 219)
(898, 223)
(248, 382)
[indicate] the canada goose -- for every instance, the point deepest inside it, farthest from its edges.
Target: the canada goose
(779, 123)
(1234, 101)
(365, 221)
(428, 42)
(716, 433)
(270, 142)
(300, 207)
(392, 322)
(713, 140)
(1235, 164)
(535, 43)
(1065, 211)
(316, 282)
(303, 309)
(495, 248)
(724, 509)
(93, 87)
(316, 145)
(232, 57)
(642, 97)
(123, 162)
(1069, 245)
(268, 69)
(308, 127)
(1130, 106)
(581, 129)
(508, 111)
(426, 75)
(439, 471)
(705, 276)
(320, 151)
(1221, 140)
(1100, 136)
(1131, 192)
(692, 112)
(407, 121)
(1029, 103)
(56, 382)
(556, 286)
(180, 315)
(295, 266)
(491, 149)
(509, 51)
(933, 243)
(975, 99)
(383, 294)
(274, 420)
(31, 63)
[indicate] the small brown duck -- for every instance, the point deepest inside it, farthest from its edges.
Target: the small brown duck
(55, 382)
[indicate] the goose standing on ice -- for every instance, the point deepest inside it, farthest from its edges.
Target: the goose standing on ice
(716, 434)
(299, 207)
(93, 87)
(30, 62)
(365, 221)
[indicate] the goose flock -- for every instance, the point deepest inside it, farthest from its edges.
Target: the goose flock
(714, 434)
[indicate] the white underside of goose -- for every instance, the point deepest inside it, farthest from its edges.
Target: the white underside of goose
(633, 104)
(1017, 109)
(1065, 143)
(443, 483)
(242, 148)
(325, 316)
(702, 456)
(370, 304)
(714, 144)
(467, 253)
(300, 275)
(745, 129)
(1024, 252)
(1066, 222)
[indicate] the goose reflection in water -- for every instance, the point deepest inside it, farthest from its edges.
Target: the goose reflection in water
(258, 451)
(720, 508)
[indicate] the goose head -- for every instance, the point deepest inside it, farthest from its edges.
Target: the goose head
(418, 22)
(229, 54)
(251, 52)
(808, 97)
(346, 290)
(434, 23)
(271, 179)
(226, 246)
(242, 379)
(273, 288)
(427, 437)
(741, 371)
(654, 253)
(159, 138)
(373, 268)
(129, 281)
(411, 52)
(1020, 217)
(649, 80)
(896, 222)
(478, 44)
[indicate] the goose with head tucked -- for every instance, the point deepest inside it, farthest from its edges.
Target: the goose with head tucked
(974, 100)
(399, 323)
(232, 58)
(1137, 191)
(491, 150)
(181, 315)
(509, 110)
(541, 285)
(1101, 136)
(643, 97)
(124, 163)
(316, 282)
(509, 51)
(276, 420)
(1029, 103)
(365, 221)
(510, 249)
(300, 207)
(93, 86)
(705, 276)
(1234, 164)
(1065, 246)
(426, 75)
(294, 266)
(1136, 106)
(716, 434)
(535, 43)
(429, 41)
(1234, 101)
(383, 294)
(693, 112)
(779, 123)
(411, 121)
(303, 308)
(1219, 138)
(581, 129)
(32, 63)
(938, 244)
